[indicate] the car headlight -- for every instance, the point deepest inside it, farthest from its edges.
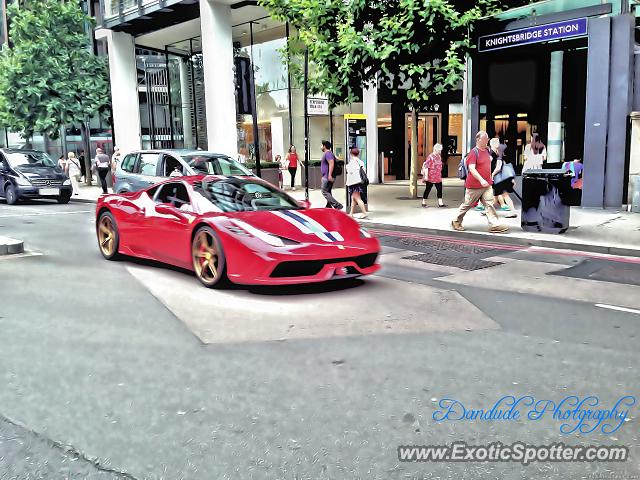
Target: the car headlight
(23, 181)
(364, 233)
(67, 182)
(246, 230)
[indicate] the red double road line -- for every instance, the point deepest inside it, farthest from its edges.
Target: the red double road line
(512, 248)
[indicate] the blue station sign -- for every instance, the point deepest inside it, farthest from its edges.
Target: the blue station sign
(542, 33)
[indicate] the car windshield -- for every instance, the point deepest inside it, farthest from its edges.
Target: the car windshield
(215, 165)
(244, 195)
(29, 159)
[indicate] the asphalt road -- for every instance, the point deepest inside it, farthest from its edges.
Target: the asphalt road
(103, 377)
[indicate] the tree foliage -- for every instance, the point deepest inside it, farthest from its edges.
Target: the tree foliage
(416, 47)
(49, 76)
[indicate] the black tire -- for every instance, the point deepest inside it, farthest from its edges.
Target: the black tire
(63, 199)
(10, 195)
(210, 277)
(108, 236)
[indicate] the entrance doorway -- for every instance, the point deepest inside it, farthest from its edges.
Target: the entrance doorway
(429, 133)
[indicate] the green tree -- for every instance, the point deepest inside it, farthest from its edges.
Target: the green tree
(417, 48)
(49, 76)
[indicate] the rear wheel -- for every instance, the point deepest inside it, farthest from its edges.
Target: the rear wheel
(10, 195)
(208, 257)
(108, 236)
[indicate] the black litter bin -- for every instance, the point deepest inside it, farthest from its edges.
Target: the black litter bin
(546, 200)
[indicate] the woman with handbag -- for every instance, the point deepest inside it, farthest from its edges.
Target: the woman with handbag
(356, 182)
(503, 175)
(73, 170)
(432, 175)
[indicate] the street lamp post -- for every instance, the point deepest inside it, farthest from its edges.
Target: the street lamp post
(306, 124)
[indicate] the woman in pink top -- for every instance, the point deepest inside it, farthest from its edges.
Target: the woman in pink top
(432, 175)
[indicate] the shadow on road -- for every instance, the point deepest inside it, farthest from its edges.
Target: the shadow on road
(265, 290)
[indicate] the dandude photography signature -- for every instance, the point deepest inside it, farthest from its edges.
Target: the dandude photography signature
(575, 414)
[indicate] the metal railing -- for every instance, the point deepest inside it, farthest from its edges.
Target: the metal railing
(115, 8)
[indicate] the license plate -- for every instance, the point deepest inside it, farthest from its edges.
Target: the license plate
(49, 191)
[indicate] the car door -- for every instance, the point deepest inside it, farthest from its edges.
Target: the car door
(4, 172)
(125, 173)
(147, 171)
(171, 239)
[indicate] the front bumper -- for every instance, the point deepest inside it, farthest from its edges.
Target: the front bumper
(304, 264)
(34, 192)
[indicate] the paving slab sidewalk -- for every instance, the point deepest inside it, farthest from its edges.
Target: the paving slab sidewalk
(595, 230)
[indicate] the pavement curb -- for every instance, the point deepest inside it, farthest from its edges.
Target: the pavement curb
(11, 246)
(82, 200)
(503, 239)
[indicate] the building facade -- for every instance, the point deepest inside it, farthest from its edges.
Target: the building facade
(172, 66)
(567, 71)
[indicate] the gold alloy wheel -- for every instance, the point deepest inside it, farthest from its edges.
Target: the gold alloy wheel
(107, 236)
(206, 257)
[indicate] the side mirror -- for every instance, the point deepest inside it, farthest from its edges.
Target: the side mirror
(306, 204)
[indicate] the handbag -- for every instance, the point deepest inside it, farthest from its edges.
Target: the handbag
(506, 172)
(364, 180)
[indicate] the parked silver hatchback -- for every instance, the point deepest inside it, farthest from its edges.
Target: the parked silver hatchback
(138, 170)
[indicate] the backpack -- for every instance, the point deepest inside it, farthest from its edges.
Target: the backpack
(337, 167)
(463, 170)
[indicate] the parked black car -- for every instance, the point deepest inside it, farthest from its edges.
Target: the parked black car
(32, 174)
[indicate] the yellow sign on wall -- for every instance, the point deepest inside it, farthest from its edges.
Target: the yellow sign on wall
(355, 116)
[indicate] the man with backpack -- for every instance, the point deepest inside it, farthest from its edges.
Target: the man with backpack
(330, 169)
(475, 168)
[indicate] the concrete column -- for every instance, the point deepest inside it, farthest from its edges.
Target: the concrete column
(124, 89)
(554, 140)
(370, 109)
(217, 52)
(186, 105)
(634, 161)
(636, 83)
(620, 105)
(597, 112)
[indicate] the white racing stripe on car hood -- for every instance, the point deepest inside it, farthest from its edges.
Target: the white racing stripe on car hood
(308, 225)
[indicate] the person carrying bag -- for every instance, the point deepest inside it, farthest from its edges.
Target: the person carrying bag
(357, 181)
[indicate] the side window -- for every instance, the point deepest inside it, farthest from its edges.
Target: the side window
(152, 191)
(172, 167)
(129, 162)
(176, 194)
(148, 164)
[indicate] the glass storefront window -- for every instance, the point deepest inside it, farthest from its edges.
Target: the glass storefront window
(271, 88)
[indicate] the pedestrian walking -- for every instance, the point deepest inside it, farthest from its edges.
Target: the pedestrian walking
(115, 159)
(83, 167)
(73, 170)
(535, 154)
(432, 175)
(292, 165)
(281, 167)
(478, 185)
(102, 165)
(503, 182)
(356, 182)
(328, 169)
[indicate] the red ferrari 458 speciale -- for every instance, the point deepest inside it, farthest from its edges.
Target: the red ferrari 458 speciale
(240, 229)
